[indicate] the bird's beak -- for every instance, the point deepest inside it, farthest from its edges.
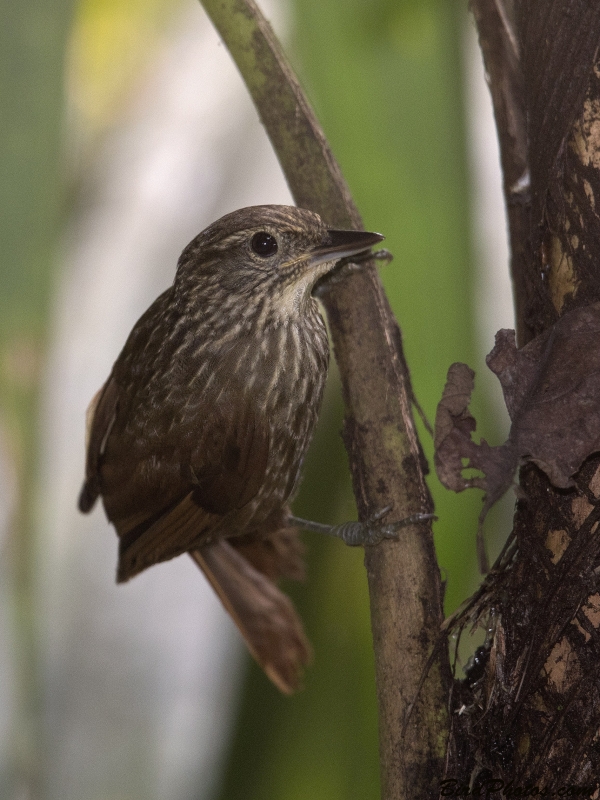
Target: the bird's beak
(341, 244)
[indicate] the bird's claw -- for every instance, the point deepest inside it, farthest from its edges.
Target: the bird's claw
(349, 265)
(372, 532)
(363, 534)
(369, 255)
(382, 255)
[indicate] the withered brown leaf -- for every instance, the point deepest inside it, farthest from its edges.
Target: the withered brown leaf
(552, 392)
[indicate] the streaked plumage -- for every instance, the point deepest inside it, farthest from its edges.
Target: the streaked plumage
(196, 440)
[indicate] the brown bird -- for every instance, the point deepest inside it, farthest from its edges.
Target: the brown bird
(196, 440)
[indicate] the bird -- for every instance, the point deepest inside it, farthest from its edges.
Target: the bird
(195, 443)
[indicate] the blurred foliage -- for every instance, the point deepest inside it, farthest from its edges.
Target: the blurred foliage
(32, 44)
(111, 43)
(385, 77)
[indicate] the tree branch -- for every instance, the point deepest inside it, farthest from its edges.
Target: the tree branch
(386, 460)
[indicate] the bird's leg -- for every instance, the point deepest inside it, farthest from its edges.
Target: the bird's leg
(346, 266)
(369, 532)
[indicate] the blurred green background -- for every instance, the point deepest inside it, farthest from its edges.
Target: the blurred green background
(386, 79)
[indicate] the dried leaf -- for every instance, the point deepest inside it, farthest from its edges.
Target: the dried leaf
(552, 393)
(456, 451)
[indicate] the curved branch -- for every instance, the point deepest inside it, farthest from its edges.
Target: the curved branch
(386, 460)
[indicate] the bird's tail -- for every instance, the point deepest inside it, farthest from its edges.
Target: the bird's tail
(242, 578)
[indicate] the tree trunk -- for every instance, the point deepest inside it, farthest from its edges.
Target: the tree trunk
(533, 719)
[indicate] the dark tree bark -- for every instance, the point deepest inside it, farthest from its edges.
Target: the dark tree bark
(534, 717)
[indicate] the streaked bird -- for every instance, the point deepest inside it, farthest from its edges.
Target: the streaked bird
(196, 440)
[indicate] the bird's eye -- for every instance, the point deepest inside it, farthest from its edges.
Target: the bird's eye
(264, 244)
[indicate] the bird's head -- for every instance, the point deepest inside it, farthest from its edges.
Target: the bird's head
(261, 254)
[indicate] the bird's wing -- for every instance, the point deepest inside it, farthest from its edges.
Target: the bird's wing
(100, 417)
(174, 532)
(169, 471)
(264, 615)
(225, 471)
(173, 441)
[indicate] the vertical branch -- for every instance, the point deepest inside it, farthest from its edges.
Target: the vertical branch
(385, 456)
(540, 709)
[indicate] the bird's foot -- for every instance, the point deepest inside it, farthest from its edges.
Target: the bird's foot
(349, 265)
(382, 255)
(370, 532)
